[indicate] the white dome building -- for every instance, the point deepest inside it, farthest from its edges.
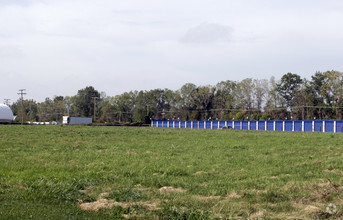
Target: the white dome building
(6, 114)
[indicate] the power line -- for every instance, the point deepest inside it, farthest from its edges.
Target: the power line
(94, 99)
(233, 109)
(7, 101)
(21, 93)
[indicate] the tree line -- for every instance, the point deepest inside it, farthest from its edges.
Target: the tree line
(291, 97)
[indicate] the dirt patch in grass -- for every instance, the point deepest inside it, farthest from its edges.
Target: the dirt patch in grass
(233, 195)
(199, 173)
(257, 215)
(170, 189)
(150, 205)
(311, 209)
(103, 203)
(324, 185)
(334, 171)
(78, 143)
(99, 204)
(259, 191)
(103, 195)
(206, 198)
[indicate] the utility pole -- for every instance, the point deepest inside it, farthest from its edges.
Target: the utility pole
(95, 98)
(21, 93)
(30, 112)
(7, 101)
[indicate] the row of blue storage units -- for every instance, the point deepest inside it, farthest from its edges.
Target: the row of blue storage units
(298, 125)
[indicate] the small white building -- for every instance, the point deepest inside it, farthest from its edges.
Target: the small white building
(6, 114)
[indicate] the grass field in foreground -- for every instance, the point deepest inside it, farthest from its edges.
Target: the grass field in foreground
(71, 172)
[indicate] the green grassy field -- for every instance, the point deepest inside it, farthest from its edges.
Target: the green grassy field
(71, 172)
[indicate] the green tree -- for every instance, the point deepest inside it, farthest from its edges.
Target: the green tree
(124, 106)
(107, 109)
(289, 87)
(260, 93)
(245, 95)
(46, 110)
(84, 102)
(187, 96)
(224, 97)
(30, 110)
(203, 97)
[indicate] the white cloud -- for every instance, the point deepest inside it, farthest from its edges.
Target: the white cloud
(208, 33)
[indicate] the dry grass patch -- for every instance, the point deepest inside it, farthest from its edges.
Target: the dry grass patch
(200, 173)
(206, 198)
(99, 204)
(170, 189)
(335, 171)
(258, 215)
(150, 205)
(233, 195)
(78, 143)
(311, 209)
(103, 203)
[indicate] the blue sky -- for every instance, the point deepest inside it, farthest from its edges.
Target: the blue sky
(57, 47)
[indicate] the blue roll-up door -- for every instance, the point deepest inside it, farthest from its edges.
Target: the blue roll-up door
(288, 125)
(230, 124)
(270, 125)
(237, 125)
(261, 125)
(297, 125)
(308, 126)
(208, 124)
(329, 126)
(339, 126)
(318, 126)
(252, 125)
(245, 125)
(215, 124)
(278, 125)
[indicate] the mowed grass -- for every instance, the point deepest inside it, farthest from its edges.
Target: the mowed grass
(77, 172)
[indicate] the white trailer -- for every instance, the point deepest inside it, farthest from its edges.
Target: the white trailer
(67, 120)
